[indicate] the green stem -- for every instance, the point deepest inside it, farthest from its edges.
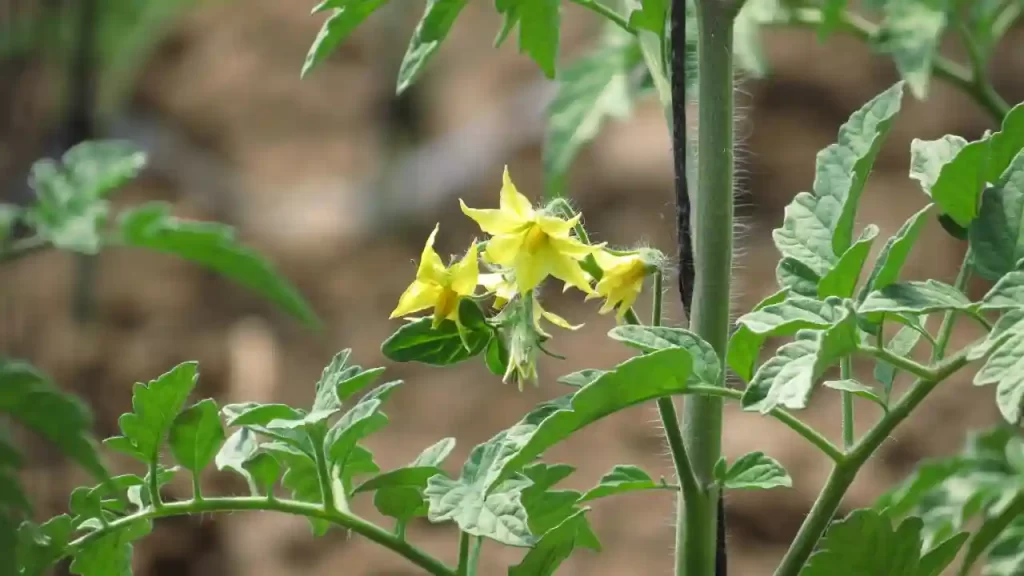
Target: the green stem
(474, 556)
(954, 73)
(613, 16)
(197, 489)
(963, 276)
(242, 504)
(696, 525)
(154, 485)
(324, 476)
(849, 432)
(465, 539)
(845, 471)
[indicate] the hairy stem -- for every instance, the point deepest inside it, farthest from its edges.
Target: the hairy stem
(242, 504)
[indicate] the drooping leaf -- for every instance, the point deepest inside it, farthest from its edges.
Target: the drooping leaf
(347, 16)
(593, 89)
(894, 253)
(431, 31)
(110, 554)
(419, 342)
(841, 280)
(637, 380)
(621, 479)
(151, 226)
(857, 389)
(755, 471)
(997, 234)
(910, 33)
(155, 405)
(196, 435)
(745, 345)
(29, 398)
(653, 338)
(913, 297)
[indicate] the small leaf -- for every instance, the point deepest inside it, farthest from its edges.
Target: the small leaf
(621, 479)
(755, 471)
(910, 33)
(256, 414)
(425, 465)
(236, 451)
(745, 345)
(649, 15)
(339, 382)
(39, 547)
(654, 338)
(831, 16)
(213, 245)
(894, 254)
(431, 31)
(155, 406)
(857, 389)
(552, 549)
(496, 355)
(914, 298)
(264, 469)
(418, 342)
(196, 435)
(110, 554)
(582, 378)
(842, 279)
(997, 235)
(958, 188)
(345, 19)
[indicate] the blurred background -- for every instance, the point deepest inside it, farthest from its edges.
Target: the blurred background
(339, 183)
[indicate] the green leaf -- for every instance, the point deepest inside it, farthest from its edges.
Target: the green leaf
(264, 469)
(110, 554)
(591, 90)
(653, 338)
(1005, 368)
(197, 435)
(256, 414)
(1008, 292)
(892, 552)
(582, 378)
(213, 245)
(806, 237)
(927, 158)
(29, 398)
(431, 31)
(649, 15)
(138, 494)
(238, 449)
(755, 471)
(902, 344)
(857, 389)
(476, 501)
(842, 279)
(637, 380)
(547, 508)
(71, 207)
(1006, 558)
(1007, 143)
(496, 356)
(745, 345)
(155, 406)
(902, 499)
(620, 480)
(915, 298)
(910, 33)
(39, 547)
(418, 342)
(831, 16)
(894, 253)
(399, 493)
(842, 169)
(942, 555)
(997, 234)
(339, 382)
(301, 479)
(538, 29)
(793, 275)
(958, 187)
(552, 549)
(337, 28)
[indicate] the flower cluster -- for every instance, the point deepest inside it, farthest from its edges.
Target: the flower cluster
(525, 247)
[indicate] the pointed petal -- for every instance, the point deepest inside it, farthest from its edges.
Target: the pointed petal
(559, 321)
(417, 296)
(512, 200)
(431, 268)
(568, 270)
(493, 222)
(503, 250)
(491, 280)
(626, 304)
(557, 227)
(606, 260)
(465, 273)
(531, 270)
(572, 247)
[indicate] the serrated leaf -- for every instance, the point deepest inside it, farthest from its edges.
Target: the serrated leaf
(894, 253)
(857, 389)
(349, 429)
(343, 21)
(581, 378)
(957, 189)
(842, 279)
(745, 345)
(419, 342)
(539, 22)
(552, 549)
(339, 382)
(476, 501)
(997, 234)
(653, 338)
(110, 554)
(213, 245)
(431, 31)
(1005, 368)
(621, 479)
(30, 399)
(1008, 292)
(39, 547)
(196, 435)
(637, 380)
(892, 552)
(915, 298)
(547, 508)
(805, 237)
(155, 405)
(1007, 143)
(592, 90)
(755, 471)
(910, 33)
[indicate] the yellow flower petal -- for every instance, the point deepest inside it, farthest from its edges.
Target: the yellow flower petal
(417, 296)
(512, 200)
(573, 248)
(559, 321)
(626, 304)
(464, 274)
(503, 250)
(431, 268)
(606, 260)
(531, 269)
(494, 222)
(557, 227)
(568, 270)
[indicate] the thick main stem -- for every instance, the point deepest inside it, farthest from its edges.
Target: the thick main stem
(712, 225)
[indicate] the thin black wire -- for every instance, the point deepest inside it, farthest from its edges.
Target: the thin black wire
(687, 270)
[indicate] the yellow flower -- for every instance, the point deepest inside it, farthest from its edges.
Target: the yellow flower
(622, 281)
(555, 319)
(505, 290)
(530, 242)
(439, 287)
